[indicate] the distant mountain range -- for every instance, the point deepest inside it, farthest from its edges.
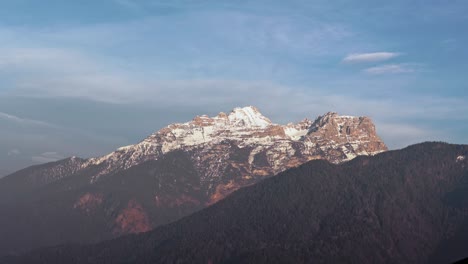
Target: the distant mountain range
(174, 172)
(404, 206)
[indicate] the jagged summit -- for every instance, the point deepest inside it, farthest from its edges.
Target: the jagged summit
(245, 117)
(245, 127)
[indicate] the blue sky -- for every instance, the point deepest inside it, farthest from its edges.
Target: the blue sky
(84, 77)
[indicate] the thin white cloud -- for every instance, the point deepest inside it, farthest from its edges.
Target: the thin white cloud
(25, 121)
(370, 57)
(14, 152)
(47, 157)
(403, 134)
(390, 69)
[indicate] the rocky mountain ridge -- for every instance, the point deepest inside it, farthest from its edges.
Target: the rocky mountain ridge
(332, 137)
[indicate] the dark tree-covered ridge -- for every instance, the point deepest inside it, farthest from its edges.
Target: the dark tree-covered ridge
(404, 206)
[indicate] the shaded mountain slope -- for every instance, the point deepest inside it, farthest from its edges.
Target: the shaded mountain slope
(71, 210)
(401, 206)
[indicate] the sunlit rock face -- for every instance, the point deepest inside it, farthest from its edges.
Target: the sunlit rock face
(236, 149)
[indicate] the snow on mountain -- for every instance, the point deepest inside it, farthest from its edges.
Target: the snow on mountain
(249, 117)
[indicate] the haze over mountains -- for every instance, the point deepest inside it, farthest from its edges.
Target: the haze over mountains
(404, 206)
(174, 172)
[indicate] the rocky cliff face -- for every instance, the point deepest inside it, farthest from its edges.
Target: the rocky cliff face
(177, 170)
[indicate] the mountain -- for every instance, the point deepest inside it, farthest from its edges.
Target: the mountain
(4, 172)
(405, 206)
(172, 173)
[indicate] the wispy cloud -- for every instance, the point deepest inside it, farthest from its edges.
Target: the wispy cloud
(13, 152)
(53, 72)
(281, 34)
(370, 57)
(390, 69)
(47, 157)
(404, 133)
(25, 121)
(52, 61)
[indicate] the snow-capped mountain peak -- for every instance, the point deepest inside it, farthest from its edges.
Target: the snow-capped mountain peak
(333, 137)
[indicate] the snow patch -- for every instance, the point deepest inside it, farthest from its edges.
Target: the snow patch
(125, 148)
(460, 158)
(248, 116)
(294, 133)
